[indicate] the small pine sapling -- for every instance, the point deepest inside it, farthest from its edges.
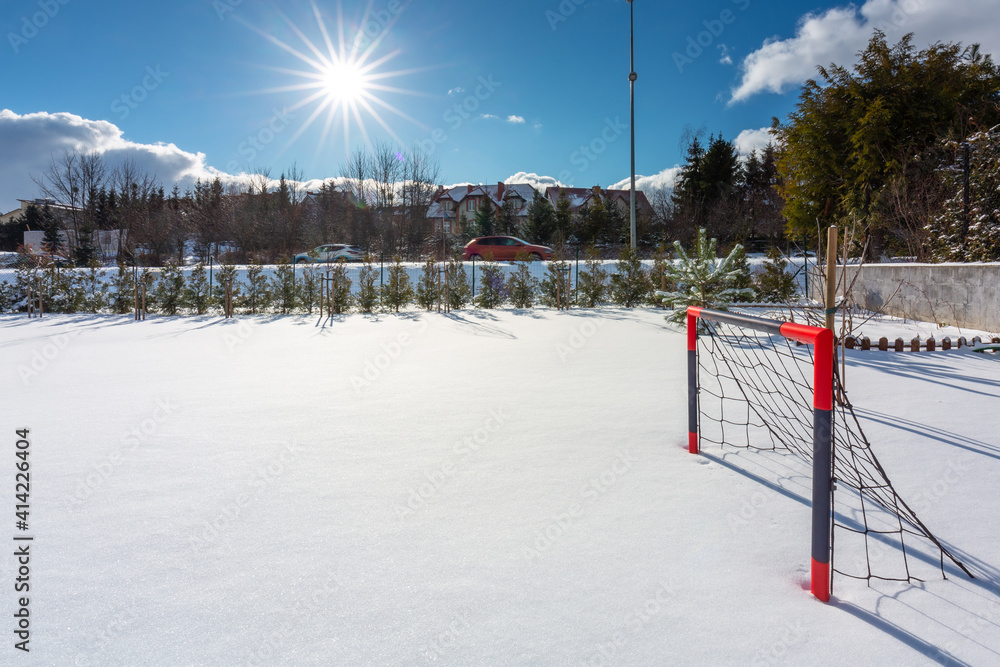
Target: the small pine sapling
(397, 292)
(492, 287)
(340, 298)
(593, 288)
(256, 297)
(308, 288)
(170, 289)
(522, 287)
(555, 290)
(196, 290)
(229, 288)
(95, 289)
(459, 291)
(283, 287)
(774, 284)
(702, 279)
(122, 299)
(630, 285)
(427, 287)
(367, 291)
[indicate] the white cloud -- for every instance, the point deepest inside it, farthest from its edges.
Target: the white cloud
(837, 35)
(536, 181)
(665, 180)
(519, 120)
(32, 140)
(456, 91)
(724, 57)
(489, 116)
(749, 140)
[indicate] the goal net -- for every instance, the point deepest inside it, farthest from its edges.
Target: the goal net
(761, 384)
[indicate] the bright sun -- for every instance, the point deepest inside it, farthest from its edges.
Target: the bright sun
(343, 82)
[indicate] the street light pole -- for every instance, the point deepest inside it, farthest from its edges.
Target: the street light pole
(632, 78)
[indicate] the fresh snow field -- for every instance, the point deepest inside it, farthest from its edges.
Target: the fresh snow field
(482, 488)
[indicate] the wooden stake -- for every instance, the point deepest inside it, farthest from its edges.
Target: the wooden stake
(831, 278)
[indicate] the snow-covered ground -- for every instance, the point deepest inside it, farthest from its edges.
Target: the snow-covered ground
(484, 488)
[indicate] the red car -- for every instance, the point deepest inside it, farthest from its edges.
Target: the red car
(504, 249)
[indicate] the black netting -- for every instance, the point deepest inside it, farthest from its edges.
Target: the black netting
(755, 392)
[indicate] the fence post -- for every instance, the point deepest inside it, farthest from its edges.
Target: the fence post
(473, 279)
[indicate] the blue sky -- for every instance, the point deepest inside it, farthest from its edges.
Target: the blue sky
(536, 90)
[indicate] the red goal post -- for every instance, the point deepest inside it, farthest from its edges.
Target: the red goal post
(822, 341)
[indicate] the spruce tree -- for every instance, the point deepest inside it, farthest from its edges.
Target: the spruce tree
(541, 223)
(630, 284)
(593, 288)
(283, 287)
(255, 297)
(492, 287)
(701, 279)
(427, 287)
(774, 284)
(367, 290)
(555, 290)
(522, 287)
(397, 292)
(459, 290)
(122, 290)
(340, 283)
(195, 294)
(95, 289)
(170, 289)
(485, 217)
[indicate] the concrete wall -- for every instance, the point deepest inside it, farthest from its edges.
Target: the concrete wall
(963, 295)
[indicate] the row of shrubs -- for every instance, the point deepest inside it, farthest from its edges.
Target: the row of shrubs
(98, 290)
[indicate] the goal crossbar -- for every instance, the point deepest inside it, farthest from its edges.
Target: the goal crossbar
(822, 341)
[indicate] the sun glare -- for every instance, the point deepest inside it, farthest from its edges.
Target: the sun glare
(342, 83)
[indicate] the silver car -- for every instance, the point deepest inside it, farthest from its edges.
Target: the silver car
(331, 253)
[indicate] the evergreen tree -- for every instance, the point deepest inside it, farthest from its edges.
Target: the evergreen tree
(593, 287)
(957, 234)
(309, 287)
(563, 219)
(630, 285)
(95, 289)
(51, 241)
(284, 288)
(123, 290)
(701, 279)
(459, 290)
(774, 284)
(541, 223)
(492, 287)
(367, 291)
(255, 297)
(506, 219)
(195, 294)
(555, 290)
(852, 139)
(427, 288)
(522, 287)
(486, 219)
(170, 289)
(342, 298)
(228, 280)
(397, 292)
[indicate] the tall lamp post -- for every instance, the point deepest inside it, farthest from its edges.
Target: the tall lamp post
(632, 78)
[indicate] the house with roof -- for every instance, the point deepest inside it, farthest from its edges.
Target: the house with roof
(581, 197)
(62, 212)
(449, 206)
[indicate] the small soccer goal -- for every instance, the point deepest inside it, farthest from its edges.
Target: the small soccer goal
(761, 384)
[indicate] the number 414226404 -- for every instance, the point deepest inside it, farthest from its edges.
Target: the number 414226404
(22, 488)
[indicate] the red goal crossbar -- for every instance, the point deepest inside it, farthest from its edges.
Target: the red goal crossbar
(822, 341)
